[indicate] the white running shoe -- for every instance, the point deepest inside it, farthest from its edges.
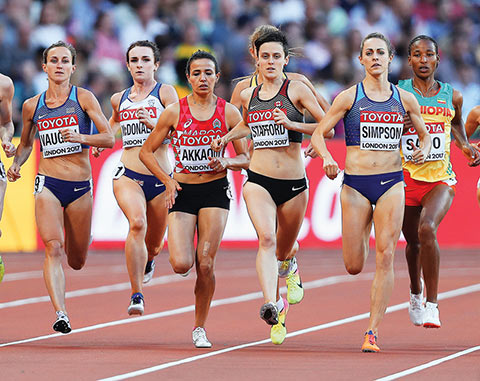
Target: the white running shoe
(199, 337)
(416, 308)
(431, 317)
(62, 324)
(137, 304)
(149, 270)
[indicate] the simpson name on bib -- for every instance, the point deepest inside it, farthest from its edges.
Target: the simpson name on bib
(265, 132)
(51, 137)
(380, 131)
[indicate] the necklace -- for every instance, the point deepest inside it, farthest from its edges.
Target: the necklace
(427, 92)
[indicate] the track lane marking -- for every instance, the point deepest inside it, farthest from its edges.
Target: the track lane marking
(429, 364)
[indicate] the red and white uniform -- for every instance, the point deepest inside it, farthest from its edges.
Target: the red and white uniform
(192, 138)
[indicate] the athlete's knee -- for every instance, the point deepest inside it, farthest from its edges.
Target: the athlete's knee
(180, 265)
(384, 259)
(138, 225)
(54, 248)
(77, 262)
(427, 230)
(267, 240)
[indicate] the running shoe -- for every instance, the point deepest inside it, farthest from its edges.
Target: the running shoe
(416, 308)
(62, 324)
(269, 313)
(279, 331)
(149, 270)
(294, 286)
(431, 316)
(199, 337)
(370, 343)
(137, 304)
(286, 266)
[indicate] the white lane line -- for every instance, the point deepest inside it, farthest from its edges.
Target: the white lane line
(428, 364)
(219, 302)
(94, 290)
(446, 295)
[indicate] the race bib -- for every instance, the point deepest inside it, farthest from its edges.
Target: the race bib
(195, 150)
(380, 131)
(51, 138)
(436, 131)
(265, 132)
(134, 133)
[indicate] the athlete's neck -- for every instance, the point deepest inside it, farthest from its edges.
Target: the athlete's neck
(203, 101)
(57, 91)
(426, 87)
(142, 89)
(376, 85)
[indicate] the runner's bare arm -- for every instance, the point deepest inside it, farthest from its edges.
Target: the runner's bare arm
(6, 124)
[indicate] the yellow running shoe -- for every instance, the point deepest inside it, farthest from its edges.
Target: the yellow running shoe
(279, 331)
(294, 287)
(370, 343)
(2, 269)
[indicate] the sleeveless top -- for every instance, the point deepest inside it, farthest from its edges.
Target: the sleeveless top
(192, 138)
(374, 125)
(437, 113)
(254, 79)
(265, 132)
(49, 122)
(134, 133)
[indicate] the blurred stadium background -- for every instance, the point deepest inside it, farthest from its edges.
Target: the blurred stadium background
(324, 34)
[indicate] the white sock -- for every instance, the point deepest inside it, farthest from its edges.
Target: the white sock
(280, 304)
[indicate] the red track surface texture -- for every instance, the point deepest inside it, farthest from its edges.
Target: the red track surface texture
(325, 330)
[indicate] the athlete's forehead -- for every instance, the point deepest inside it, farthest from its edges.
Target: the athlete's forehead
(202, 64)
(423, 45)
(59, 52)
(271, 47)
(140, 51)
(375, 44)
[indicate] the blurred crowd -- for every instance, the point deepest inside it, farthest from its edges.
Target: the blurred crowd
(324, 35)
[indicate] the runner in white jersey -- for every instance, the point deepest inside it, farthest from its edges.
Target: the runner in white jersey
(139, 194)
(63, 191)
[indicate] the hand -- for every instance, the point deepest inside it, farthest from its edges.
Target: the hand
(218, 164)
(171, 189)
(144, 117)
(281, 118)
(218, 144)
(330, 167)
(9, 149)
(472, 154)
(309, 151)
(13, 173)
(96, 151)
(418, 157)
(71, 136)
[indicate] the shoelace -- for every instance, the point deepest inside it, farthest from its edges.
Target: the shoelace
(415, 302)
(371, 337)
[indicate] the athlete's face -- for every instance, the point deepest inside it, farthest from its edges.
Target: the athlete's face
(141, 63)
(423, 59)
(59, 66)
(202, 76)
(374, 56)
(271, 59)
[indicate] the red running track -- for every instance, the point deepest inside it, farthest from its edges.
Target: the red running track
(325, 330)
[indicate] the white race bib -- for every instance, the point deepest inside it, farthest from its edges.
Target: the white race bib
(134, 133)
(51, 138)
(380, 131)
(436, 131)
(265, 132)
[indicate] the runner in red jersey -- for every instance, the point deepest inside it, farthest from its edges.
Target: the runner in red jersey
(199, 194)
